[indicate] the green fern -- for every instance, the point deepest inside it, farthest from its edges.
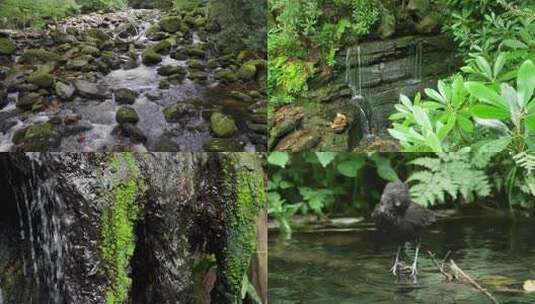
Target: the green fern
(525, 160)
(448, 176)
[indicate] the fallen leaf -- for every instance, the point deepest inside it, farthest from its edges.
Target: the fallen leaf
(529, 285)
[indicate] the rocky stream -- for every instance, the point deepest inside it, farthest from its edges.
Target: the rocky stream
(136, 80)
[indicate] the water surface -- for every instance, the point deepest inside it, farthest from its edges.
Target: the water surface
(352, 265)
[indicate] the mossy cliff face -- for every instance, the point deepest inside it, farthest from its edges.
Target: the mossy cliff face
(243, 186)
(117, 225)
(133, 225)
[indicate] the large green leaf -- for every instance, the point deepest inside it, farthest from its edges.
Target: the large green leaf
(459, 92)
(278, 158)
(351, 167)
(490, 112)
(484, 66)
(526, 81)
(384, 167)
(530, 123)
(485, 94)
(325, 158)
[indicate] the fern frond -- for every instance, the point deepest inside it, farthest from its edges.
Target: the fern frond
(525, 160)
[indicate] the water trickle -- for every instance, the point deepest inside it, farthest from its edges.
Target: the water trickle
(1, 297)
(415, 63)
(356, 78)
(39, 208)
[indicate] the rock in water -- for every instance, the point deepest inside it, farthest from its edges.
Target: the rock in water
(175, 112)
(42, 78)
(222, 125)
(126, 114)
(41, 137)
(171, 24)
(150, 57)
(89, 90)
(125, 96)
(64, 91)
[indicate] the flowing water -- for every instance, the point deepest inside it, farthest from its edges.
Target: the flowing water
(356, 79)
(352, 265)
(97, 129)
(39, 207)
(415, 62)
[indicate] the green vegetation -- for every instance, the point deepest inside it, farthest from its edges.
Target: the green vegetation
(304, 36)
(244, 184)
(327, 184)
(489, 105)
(117, 226)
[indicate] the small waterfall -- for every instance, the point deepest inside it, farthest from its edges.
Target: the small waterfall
(1, 297)
(415, 62)
(356, 79)
(39, 208)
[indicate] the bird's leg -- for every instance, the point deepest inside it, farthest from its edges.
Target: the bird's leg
(413, 268)
(396, 262)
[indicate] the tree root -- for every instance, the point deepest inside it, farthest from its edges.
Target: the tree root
(452, 272)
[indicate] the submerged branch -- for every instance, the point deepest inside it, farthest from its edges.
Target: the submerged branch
(454, 272)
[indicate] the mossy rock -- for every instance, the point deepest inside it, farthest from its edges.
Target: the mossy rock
(6, 47)
(126, 114)
(247, 71)
(41, 137)
(222, 125)
(164, 84)
(91, 50)
(226, 74)
(125, 96)
(150, 57)
(171, 24)
(35, 56)
(28, 101)
(194, 50)
(175, 112)
(42, 78)
(64, 91)
(97, 34)
(429, 24)
(195, 64)
(387, 27)
(171, 69)
(162, 47)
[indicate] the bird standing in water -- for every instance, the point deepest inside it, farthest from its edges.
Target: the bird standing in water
(401, 219)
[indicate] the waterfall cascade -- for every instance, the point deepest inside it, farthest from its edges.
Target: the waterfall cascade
(415, 62)
(39, 207)
(356, 78)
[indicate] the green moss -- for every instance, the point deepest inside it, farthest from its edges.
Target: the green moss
(244, 181)
(117, 226)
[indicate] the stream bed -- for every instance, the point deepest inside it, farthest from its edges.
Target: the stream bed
(352, 265)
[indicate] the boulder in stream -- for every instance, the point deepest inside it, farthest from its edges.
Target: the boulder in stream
(175, 112)
(126, 114)
(64, 91)
(125, 96)
(222, 125)
(41, 137)
(150, 57)
(171, 24)
(89, 90)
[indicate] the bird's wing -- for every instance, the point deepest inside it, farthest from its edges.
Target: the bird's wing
(419, 216)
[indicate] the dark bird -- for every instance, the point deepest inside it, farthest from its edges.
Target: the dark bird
(401, 219)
